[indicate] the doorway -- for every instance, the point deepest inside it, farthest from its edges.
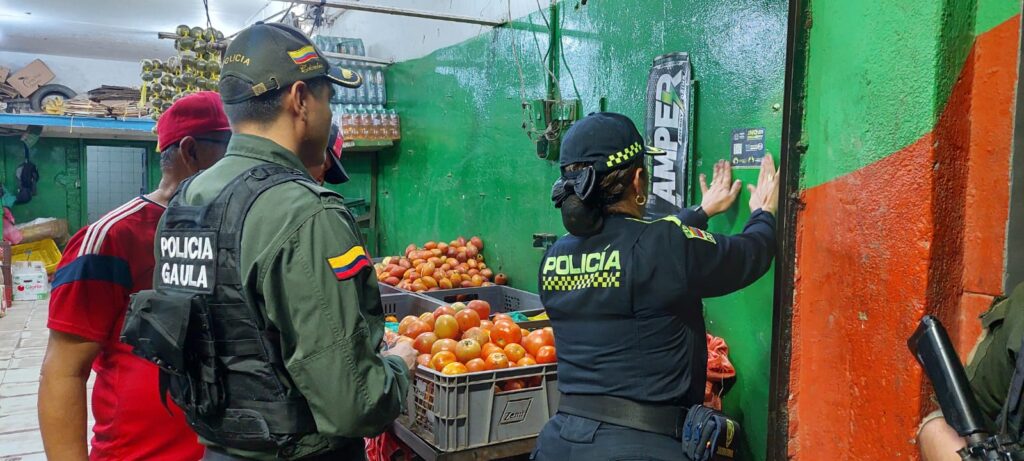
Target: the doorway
(114, 175)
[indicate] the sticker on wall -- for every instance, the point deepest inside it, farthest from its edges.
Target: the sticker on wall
(667, 126)
(747, 147)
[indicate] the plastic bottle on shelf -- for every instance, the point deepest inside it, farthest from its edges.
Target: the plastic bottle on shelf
(346, 122)
(377, 117)
(394, 126)
(378, 79)
(365, 122)
(361, 95)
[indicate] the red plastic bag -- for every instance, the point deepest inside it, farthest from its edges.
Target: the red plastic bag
(383, 447)
(719, 370)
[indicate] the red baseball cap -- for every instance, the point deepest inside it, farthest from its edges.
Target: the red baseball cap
(195, 114)
(336, 173)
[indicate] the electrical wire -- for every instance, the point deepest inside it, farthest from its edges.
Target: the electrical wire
(561, 50)
(522, 79)
(206, 6)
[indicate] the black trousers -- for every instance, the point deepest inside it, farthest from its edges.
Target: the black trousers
(574, 438)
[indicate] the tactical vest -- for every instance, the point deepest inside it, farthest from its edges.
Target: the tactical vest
(218, 360)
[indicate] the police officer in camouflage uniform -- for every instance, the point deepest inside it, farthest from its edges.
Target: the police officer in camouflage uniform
(274, 352)
(624, 297)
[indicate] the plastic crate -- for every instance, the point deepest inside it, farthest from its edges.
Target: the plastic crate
(466, 411)
(44, 251)
(386, 289)
(403, 304)
(501, 298)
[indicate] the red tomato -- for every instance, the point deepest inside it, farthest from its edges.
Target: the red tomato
(416, 328)
(428, 318)
(467, 318)
(467, 349)
(441, 360)
(526, 362)
(513, 385)
(454, 368)
(496, 361)
(446, 327)
(443, 310)
(489, 349)
(505, 333)
(525, 332)
(479, 334)
(482, 308)
(499, 317)
(443, 345)
(515, 352)
(403, 328)
(546, 354)
(424, 359)
(486, 324)
(476, 365)
(424, 342)
(536, 340)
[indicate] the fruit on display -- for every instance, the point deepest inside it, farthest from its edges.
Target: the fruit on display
(195, 67)
(440, 266)
(463, 343)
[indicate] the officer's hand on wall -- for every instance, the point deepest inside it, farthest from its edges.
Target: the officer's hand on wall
(766, 194)
(723, 191)
(404, 351)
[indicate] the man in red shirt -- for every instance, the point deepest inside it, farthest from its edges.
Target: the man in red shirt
(102, 266)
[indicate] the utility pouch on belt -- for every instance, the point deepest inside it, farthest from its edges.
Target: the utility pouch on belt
(709, 435)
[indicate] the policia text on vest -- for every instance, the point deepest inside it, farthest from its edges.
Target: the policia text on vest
(187, 260)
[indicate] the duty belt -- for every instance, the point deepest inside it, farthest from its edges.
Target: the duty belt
(659, 419)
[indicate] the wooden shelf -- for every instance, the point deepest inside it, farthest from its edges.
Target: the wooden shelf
(361, 145)
(85, 127)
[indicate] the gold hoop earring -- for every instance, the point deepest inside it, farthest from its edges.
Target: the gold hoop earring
(641, 200)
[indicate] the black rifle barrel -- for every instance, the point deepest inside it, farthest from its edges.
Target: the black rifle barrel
(931, 346)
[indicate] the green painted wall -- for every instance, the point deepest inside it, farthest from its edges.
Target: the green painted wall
(869, 98)
(61, 187)
(991, 13)
(464, 166)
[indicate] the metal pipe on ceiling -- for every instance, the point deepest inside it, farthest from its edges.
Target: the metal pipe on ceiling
(398, 12)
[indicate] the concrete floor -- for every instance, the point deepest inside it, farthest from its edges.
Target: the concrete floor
(23, 336)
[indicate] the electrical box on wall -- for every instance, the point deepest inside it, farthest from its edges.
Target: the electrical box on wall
(547, 120)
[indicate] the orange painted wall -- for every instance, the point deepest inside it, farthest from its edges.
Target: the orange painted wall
(920, 231)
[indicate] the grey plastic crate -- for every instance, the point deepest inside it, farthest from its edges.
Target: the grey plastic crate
(466, 411)
(386, 289)
(501, 298)
(402, 304)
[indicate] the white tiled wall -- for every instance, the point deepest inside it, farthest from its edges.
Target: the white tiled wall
(114, 175)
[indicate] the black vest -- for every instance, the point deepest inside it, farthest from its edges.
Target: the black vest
(218, 359)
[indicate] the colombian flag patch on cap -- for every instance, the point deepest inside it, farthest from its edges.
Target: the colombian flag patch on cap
(349, 263)
(303, 55)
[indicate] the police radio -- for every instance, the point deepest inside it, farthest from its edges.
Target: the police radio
(932, 348)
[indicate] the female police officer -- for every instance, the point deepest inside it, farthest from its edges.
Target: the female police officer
(624, 295)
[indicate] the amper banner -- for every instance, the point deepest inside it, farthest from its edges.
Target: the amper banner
(668, 127)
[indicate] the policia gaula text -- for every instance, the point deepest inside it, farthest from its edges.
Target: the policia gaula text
(265, 319)
(624, 297)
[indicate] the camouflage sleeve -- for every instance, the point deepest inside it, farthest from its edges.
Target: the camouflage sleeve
(321, 294)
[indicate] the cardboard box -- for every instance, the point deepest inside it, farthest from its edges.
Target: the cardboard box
(27, 80)
(4, 72)
(30, 281)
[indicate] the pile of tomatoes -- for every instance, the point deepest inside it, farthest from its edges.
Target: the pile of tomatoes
(439, 266)
(464, 338)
